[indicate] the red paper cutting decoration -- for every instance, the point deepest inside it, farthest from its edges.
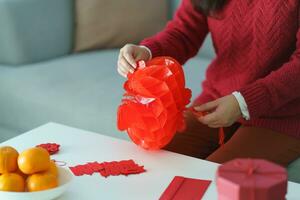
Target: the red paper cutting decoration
(114, 168)
(152, 107)
(52, 148)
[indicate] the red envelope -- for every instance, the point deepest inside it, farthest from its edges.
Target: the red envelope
(185, 188)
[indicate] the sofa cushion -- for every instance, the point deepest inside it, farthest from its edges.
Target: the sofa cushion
(35, 30)
(113, 23)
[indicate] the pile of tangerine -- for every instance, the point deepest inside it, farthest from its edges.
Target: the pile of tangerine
(32, 170)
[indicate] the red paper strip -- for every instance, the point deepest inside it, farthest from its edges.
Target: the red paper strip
(52, 148)
(197, 114)
(114, 168)
(185, 188)
(77, 171)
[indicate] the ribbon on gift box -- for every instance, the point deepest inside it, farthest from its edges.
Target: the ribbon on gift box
(250, 170)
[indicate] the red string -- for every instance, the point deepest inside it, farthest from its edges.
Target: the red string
(201, 114)
(221, 136)
(60, 163)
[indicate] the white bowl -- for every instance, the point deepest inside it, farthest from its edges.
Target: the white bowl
(65, 177)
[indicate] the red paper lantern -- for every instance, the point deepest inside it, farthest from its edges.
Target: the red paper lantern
(152, 107)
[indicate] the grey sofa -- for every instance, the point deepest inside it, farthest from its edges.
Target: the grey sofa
(41, 81)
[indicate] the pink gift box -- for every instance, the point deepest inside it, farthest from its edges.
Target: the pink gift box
(251, 179)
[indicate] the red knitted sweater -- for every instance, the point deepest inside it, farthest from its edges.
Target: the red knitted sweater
(257, 43)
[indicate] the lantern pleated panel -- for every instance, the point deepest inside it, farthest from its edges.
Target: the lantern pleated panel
(152, 107)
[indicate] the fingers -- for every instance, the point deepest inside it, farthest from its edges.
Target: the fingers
(130, 59)
(210, 119)
(207, 106)
(124, 67)
(123, 63)
(126, 62)
(128, 56)
(222, 112)
(213, 118)
(122, 72)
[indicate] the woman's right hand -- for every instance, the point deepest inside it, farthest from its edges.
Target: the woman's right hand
(128, 57)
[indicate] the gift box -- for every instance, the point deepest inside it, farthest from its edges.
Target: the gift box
(251, 179)
(152, 107)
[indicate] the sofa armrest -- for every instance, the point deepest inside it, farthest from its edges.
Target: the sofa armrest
(35, 30)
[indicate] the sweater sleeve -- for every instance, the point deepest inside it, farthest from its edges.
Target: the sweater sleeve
(277, 89)
(182, 37)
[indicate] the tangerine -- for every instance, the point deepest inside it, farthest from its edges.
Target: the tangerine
(53, 169)
(12, 182)
(8, 159)
(34, 160)
(41, 181)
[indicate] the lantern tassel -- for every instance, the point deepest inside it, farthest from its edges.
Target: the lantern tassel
(221, 136)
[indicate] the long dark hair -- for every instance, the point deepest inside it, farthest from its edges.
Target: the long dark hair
(209, 7)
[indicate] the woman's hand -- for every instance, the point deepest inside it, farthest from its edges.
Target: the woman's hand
(128, 57)
(222, 112)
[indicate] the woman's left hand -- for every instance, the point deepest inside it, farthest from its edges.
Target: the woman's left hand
(222, 112)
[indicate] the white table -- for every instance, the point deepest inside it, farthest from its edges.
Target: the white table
(79, 146)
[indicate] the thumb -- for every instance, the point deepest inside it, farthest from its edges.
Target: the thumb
(207, 106)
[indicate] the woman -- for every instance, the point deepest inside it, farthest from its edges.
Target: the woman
(252, 87)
